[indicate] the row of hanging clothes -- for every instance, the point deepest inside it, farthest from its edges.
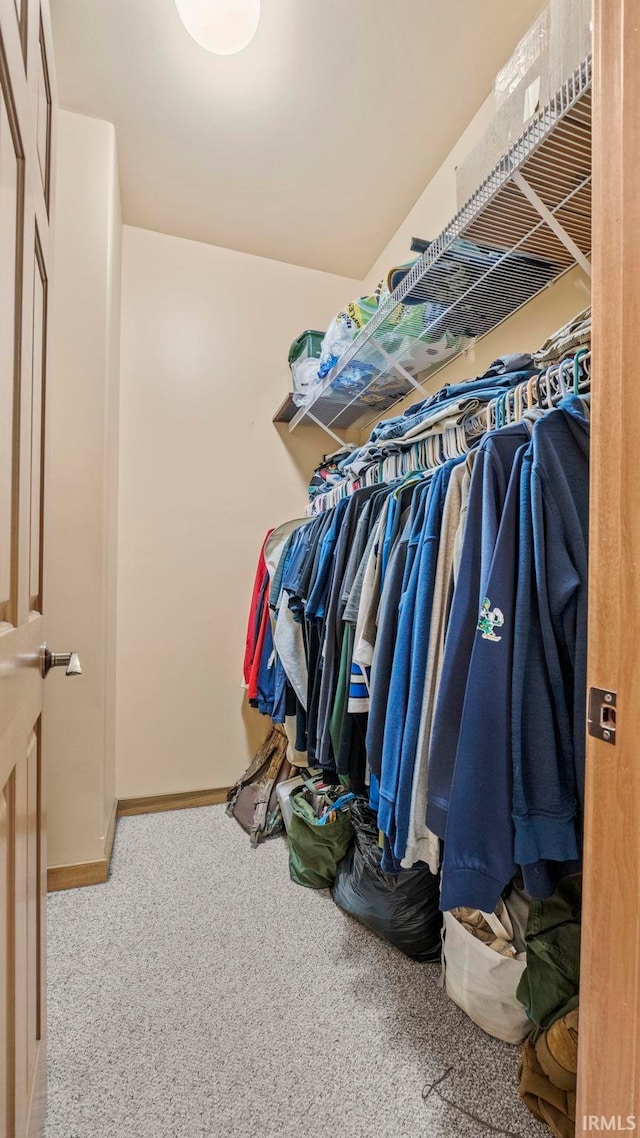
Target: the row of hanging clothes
(425, 627)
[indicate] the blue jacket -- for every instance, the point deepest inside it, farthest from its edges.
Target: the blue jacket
(332, 631)
(487, 492)
(409, 665)
(395, 582)
(321, 583)
(266, 675)
(398, 677)
(549, 666)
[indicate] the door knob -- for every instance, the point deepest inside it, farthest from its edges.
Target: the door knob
(68, 660)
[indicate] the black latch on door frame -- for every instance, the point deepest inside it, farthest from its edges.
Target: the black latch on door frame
(601, 715)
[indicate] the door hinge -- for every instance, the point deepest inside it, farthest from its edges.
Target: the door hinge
(601, 716)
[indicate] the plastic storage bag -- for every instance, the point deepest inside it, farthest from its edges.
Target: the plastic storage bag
(304, 374)
(403, 908)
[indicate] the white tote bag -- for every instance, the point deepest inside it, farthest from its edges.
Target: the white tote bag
(482, 982)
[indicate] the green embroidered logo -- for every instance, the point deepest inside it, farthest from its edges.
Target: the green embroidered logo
(489, 620)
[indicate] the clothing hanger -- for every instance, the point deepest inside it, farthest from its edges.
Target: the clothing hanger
(585, 381)
(552, 384)
(549, 381)
(564, 390)
(548, 392)
(518, 401)
(497, 414)
(417, 462)
(576, 368)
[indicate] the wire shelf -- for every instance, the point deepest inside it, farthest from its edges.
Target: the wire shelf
(526, 225)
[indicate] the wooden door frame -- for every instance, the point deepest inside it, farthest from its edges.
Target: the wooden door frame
(609, 1052)
(27, 83)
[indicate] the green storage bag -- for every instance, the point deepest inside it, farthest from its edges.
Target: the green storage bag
(316, 850)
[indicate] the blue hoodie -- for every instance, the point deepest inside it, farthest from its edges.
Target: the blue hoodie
(491, 472)
(550, 644)
(478, 860)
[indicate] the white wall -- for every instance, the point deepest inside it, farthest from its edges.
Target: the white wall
(437, 203)
(81, 489)
(203, 474)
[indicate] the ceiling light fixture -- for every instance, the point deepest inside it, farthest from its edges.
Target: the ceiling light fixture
(221, 26)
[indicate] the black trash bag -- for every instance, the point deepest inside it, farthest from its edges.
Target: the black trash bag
(402, 908)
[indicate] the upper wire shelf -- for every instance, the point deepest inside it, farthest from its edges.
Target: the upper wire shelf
(526, 225)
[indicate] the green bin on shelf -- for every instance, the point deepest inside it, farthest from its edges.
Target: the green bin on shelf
(307, 344)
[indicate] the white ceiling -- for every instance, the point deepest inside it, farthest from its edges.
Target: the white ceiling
(311, 145)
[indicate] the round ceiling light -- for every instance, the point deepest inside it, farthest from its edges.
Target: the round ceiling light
(221, 26)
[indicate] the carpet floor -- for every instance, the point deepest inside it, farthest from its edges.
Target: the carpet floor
(200, 994)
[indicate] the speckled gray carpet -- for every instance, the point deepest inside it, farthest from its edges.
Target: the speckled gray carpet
(200, 994)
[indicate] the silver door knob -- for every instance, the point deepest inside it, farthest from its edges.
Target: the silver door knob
(68, 660)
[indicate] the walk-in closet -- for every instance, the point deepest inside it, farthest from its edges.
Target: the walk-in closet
(319, 675)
